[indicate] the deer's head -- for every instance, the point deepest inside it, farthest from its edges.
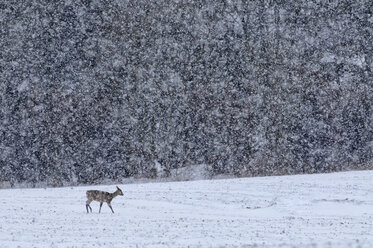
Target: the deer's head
(119, 191)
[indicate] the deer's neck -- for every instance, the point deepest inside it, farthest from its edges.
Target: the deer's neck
(115, 193)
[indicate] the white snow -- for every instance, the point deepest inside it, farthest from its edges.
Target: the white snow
(23, 86)
(320, 210)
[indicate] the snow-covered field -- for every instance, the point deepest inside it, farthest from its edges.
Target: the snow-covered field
(324, 210)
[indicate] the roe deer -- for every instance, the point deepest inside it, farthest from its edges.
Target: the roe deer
(101, 196)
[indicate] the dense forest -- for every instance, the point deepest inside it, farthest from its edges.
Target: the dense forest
(94, 90)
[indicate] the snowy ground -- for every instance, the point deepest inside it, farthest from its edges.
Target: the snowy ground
(325, 210)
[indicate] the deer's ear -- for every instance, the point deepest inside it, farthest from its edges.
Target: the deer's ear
(117, 187)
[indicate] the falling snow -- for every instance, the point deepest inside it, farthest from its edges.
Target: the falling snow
(93, 91)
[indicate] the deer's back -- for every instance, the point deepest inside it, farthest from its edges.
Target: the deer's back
(100, 196)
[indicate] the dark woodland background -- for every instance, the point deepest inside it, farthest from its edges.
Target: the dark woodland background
(106, 90)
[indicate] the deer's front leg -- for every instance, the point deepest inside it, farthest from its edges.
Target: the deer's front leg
(110, 207)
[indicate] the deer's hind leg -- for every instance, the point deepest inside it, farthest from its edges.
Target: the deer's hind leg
(99, 211)
(87, 205)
